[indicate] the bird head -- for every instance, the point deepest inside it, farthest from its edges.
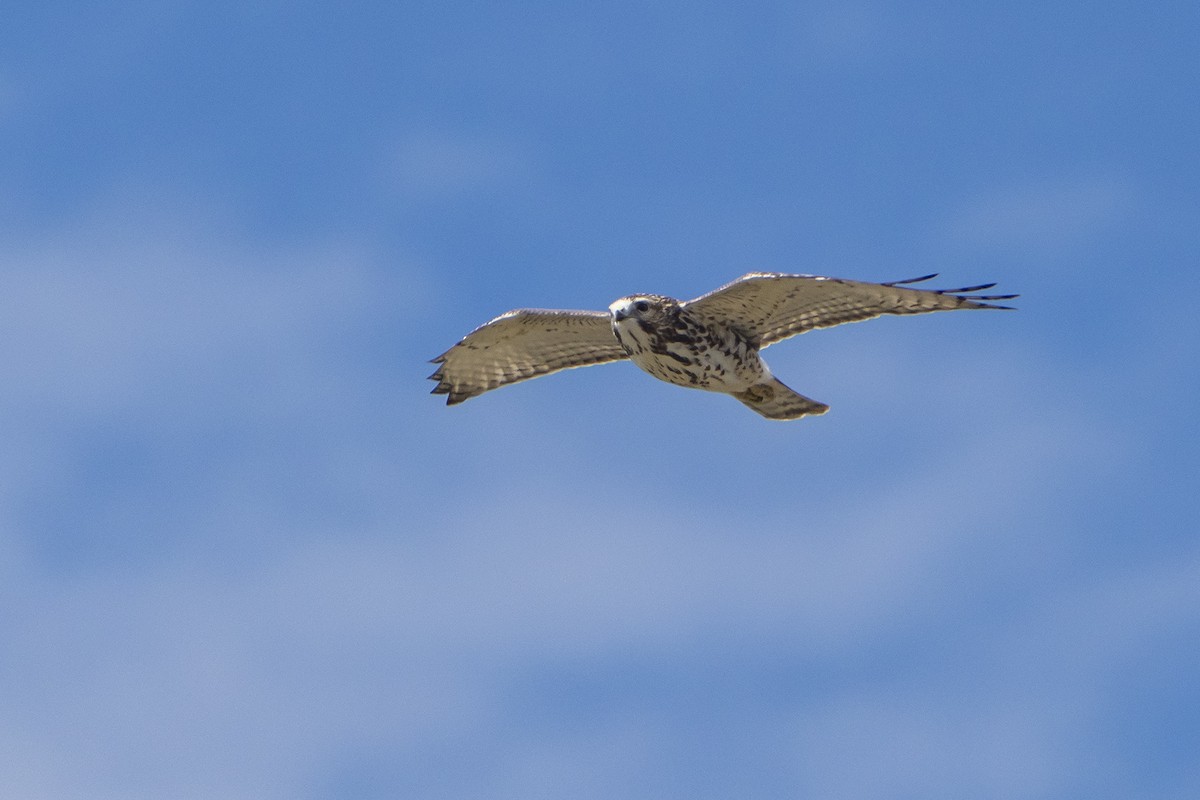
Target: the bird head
(649, 308)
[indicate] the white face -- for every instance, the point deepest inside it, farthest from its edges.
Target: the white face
(629, 307)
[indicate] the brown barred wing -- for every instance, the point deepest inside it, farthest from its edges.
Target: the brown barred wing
(771, 306)
(523, 344)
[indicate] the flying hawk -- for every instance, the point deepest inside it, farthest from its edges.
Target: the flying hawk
(711, 343)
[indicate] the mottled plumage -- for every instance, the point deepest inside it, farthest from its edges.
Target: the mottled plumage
(710, 343)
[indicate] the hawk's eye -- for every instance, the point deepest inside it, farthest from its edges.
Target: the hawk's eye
(642, 305)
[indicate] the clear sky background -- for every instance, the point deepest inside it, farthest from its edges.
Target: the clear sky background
(244, 554)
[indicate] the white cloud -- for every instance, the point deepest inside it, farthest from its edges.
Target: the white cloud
(182, 678)
(142, 328)
(469, 552)
(107, 311)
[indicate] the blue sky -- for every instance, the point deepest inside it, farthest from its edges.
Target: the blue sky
(243, 553)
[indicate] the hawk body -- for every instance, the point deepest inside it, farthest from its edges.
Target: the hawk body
(710, 343)
(678, 346)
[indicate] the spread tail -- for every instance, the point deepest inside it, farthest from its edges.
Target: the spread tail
(775, 401)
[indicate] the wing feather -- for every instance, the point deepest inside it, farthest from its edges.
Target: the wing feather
(522, 344)
(771, 306)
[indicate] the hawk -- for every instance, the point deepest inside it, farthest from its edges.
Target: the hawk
(711, 343)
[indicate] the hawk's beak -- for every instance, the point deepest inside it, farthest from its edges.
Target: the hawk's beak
(621, 310)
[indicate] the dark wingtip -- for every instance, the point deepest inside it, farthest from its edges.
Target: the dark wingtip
(989, 296)
(978, 288)
(453, 398)
(979, 300)
(984, 301)
(976, 304)
(930, 276)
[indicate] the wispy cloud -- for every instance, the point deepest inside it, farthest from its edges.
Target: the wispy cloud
(1043, 214)
(157, 357)
(449, 165)
(841, 30)
(217, 680)
(344, 595)
(1020, 714)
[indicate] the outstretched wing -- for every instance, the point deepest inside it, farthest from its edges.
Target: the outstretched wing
(524, 344)
(771, 306)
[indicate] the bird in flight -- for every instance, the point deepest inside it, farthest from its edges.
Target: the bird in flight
(711, 343)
